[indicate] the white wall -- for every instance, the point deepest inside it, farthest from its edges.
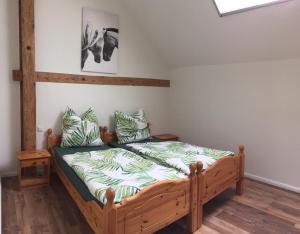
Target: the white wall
(9, 90)
(256, 104)
(58, 43)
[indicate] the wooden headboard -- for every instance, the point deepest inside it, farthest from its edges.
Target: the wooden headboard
(106, 136)
(54, 140)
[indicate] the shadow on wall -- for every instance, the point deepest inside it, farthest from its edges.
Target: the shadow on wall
(11, 110)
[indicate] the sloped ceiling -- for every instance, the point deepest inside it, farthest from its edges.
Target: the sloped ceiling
(190, 32)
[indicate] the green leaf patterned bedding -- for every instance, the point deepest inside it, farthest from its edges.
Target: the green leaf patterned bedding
(125, 172)
(131, 128)
(80, 130)
(177, 154)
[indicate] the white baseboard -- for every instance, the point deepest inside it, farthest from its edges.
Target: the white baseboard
(273, 182)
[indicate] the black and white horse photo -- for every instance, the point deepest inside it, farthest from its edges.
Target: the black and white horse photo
(99, 44)
(110, 42)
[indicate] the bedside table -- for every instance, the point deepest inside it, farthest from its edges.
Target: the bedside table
(167, 137)
(37, 160)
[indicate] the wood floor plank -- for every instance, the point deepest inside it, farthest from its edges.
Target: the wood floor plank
(223, 226)
(207, 230)
(281, 207)
(261, 209)
(255, 221)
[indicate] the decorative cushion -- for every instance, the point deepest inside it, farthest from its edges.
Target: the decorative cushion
(131, 128)
(80, 131)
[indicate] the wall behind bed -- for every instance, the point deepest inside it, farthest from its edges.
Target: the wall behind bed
(256, 104)
(58, 43)
(58, 46)
(9, 90)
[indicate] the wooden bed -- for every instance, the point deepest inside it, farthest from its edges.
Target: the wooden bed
(218, 177)
(141, 213)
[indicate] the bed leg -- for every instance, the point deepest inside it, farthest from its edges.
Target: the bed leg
(192, 217)
(240, 184)
(200, 215)
(239, 190)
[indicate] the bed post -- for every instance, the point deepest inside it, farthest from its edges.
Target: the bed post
(110, 217)
(192, 217)
(49, 141)
(200, 180)
(240, 184)
(106, 136)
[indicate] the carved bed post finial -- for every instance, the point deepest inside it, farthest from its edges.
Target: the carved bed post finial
(110, 196)
(103, 129)
(193, 168)
(199, 167)
(241, 149)
(106, 136)
(49, 131)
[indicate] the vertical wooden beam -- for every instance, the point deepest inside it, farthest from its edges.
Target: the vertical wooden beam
(27, 86)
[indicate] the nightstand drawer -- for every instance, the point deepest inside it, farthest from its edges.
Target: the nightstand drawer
(35, 162)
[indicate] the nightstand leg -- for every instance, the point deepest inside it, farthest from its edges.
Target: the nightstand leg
(48, 171)
(19, 173)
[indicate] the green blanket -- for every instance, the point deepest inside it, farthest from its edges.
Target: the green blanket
(177, 154)
(125, 172)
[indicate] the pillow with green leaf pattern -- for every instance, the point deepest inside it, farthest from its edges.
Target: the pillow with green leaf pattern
(80, 130)
(131, 128)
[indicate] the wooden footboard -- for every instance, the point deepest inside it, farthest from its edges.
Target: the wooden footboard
(156, 207)
(153, 208)
(148, 211)
(218, 177)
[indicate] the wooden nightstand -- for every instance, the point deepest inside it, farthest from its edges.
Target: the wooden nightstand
(34, 159)
(167, 137)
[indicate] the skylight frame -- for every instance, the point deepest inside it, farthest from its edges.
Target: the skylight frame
(248, 8)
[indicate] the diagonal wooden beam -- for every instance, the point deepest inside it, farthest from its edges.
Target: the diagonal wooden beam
(97, 80)
(27, 85)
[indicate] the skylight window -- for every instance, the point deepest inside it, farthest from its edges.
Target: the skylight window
(226, 7)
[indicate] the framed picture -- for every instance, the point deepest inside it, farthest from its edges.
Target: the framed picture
(99, 41)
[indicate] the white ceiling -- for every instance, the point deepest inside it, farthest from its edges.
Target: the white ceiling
(190, 32)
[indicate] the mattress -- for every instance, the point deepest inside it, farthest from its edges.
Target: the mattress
(79, 185)
(178, 155)
(92, 170)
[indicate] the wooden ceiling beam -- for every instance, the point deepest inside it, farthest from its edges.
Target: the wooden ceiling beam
(97, 80)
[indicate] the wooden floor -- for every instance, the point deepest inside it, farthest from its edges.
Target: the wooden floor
(262, 209)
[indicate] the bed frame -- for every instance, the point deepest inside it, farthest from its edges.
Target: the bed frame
(141, 213)
(218, 177)
(221, 175)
